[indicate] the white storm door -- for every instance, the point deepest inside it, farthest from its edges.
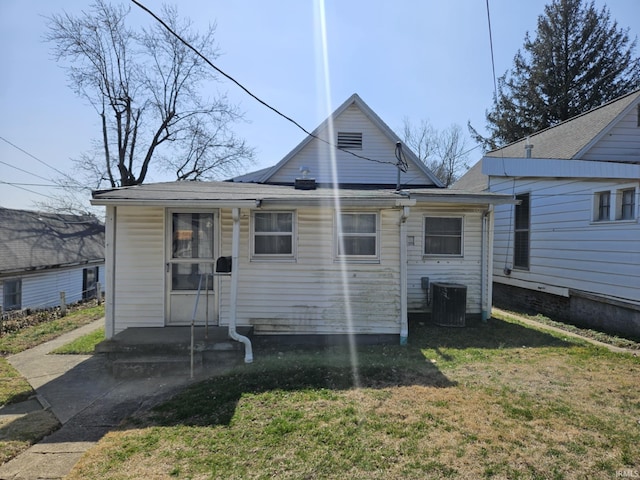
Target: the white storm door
(191, 254)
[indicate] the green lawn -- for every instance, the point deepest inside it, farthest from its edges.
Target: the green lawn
(495, 400)
(19, 432)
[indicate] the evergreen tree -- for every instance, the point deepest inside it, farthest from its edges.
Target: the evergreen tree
(578, 60)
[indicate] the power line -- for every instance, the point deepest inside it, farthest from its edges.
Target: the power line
(25, 171)
(229, 77)
(33, 156)
(25, 189)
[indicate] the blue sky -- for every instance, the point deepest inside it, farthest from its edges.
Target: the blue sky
(415, 59)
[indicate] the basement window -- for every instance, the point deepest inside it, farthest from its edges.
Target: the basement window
(350, 140)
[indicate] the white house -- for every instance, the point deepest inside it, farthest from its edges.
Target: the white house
(43, 254)
(571, 248)
(327, 242)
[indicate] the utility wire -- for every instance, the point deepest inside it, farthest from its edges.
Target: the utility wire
(493, 63)
(229, 77)
(25, 189)
(34, 157)
(25, 171)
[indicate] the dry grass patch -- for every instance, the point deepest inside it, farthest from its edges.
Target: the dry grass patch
(491, 401)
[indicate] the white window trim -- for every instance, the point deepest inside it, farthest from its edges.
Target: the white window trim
(442, 255)
(615, 204)
(270, 257)
(336, 238)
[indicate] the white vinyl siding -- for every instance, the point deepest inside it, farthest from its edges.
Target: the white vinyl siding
(450, 269)
(42, 289)
(567, 248)
(140, 267)
(317, 156)
(315, 295)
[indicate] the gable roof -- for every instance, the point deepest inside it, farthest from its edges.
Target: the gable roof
(267, 175)
(36, 240)
(473, 180)
(570, 139)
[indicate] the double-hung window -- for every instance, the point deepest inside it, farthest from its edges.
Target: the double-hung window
(443, 236)
(357, 235)
(627, 199)
(12, 295)
(522, 232)
(603, 206)
(273, 234)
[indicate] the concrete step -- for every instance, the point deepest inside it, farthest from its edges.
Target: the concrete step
(154, 366)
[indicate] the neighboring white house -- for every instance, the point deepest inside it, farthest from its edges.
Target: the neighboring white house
(571, 248)
(43, 254)
(307, 258)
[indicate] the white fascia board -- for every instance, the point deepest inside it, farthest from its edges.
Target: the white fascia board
(546, 167)
(127, 202)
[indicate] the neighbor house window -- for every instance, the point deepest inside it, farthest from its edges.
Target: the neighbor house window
(273, 234)
(522, 230)
(12, 295)
(443, 236)
(89, 282)
(603, 206)
(357, 235)
(191, 250)
(627, 204)
(350, 140)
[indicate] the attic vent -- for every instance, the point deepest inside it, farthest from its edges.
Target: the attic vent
(350, 140)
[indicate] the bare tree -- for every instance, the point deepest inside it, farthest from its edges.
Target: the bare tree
(444, 152)
(144, 84)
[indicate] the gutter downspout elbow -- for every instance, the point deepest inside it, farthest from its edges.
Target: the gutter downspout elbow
(404, 321)
(235, 247)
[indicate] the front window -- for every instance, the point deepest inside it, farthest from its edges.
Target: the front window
(12, 295)
(522, 227)
(273, 234)
(357, 235)
(443, 236)
(191, 250)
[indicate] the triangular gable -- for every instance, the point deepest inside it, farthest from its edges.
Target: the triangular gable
(576, 137)
(378, 146)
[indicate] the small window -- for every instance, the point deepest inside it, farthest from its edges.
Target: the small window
(443, 236)
(522, 231)
(603, 206)
(350, 140)
(12, 295)
(273, 234)
(357, 235)
(627, 200)
(89, 282)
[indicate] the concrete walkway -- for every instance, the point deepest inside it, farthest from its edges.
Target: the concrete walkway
(84, 397)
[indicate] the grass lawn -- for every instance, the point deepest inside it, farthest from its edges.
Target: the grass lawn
(19, 432)
(495, 400)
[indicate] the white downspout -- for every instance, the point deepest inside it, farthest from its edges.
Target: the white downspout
(235, 264)
(404, 321)
(110, 271)
(485, 265)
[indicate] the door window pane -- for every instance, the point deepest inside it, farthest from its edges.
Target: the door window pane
(192, 235)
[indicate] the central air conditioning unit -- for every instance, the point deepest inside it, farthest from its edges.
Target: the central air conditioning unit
(449, 304)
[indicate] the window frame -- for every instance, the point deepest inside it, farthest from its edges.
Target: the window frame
(179, 281)
(17, 304)
(600, 205)
(517, 265)
(620, 204)
(89, 286)
(616, 195)
(338, 235)
(291, 256)
(440, 254)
